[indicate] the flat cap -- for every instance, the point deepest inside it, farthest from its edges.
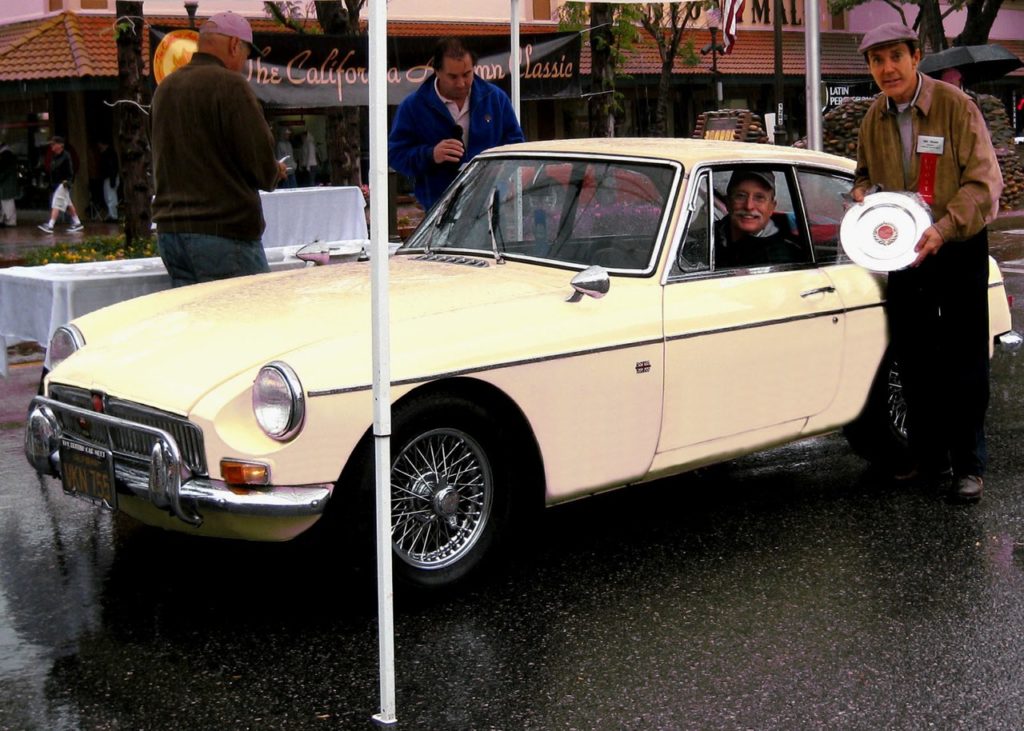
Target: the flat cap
(885, 34)
(763, 177)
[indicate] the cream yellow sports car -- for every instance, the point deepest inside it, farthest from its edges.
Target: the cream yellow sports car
(561, 324)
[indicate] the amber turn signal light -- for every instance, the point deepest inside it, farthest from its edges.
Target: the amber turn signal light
(235, 472)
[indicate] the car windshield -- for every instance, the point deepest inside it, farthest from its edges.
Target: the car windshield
(587, 211)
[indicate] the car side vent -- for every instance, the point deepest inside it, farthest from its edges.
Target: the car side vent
(449, 259)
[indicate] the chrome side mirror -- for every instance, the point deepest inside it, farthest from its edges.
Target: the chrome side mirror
(592, 281)
(321, 253)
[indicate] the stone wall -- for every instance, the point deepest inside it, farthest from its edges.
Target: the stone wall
(840, 127)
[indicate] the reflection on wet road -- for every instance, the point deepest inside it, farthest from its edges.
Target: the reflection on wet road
(794, 589)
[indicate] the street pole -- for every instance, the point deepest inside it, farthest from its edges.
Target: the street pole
(714, 21)
(812, 51)
(780, 125)
(714, 68)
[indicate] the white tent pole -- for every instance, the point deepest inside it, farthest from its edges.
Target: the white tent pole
(812, 43)
(378, 61)
(514, 12)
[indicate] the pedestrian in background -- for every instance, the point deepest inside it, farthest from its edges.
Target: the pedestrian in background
(8, 186)
(926, 136)
(285, 152)
(61, 169)
(110, 178)
(453, 117)
(308, 159)
(212, 154)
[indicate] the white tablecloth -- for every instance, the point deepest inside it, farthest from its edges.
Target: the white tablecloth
(35, 301)
(305, 215)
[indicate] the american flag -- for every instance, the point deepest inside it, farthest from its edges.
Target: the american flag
(732, 11)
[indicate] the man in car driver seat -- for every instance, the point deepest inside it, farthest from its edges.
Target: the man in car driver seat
(748, 236)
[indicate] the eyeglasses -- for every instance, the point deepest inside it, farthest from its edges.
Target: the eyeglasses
(741, 197)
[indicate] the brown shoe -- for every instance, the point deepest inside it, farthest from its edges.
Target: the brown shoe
(968, 488)
(922, 476)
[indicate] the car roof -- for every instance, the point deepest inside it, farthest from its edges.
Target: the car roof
(689, 152)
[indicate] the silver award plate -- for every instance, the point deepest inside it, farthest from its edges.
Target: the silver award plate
(881, 232)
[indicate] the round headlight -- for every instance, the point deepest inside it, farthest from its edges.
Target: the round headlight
(277, 401)
(65, 341)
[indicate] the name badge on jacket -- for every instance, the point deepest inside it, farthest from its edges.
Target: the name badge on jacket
(934, 145)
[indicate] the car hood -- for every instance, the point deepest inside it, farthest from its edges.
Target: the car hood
(169, 349)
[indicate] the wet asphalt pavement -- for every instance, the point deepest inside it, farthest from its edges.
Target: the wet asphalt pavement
(789, 590)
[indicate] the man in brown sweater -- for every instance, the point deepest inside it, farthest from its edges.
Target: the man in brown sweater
(212, 154)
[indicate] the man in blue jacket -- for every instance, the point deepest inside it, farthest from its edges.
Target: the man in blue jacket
(453, 117)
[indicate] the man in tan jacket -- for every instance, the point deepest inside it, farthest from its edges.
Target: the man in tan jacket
(928, 137)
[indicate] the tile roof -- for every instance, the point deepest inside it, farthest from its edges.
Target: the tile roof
(69, 46)
(753, 54)
(72, 46)
(1016, 47)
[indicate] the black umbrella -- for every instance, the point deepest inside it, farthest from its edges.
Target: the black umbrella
(975, 63)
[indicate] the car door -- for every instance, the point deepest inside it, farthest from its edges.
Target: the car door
(750, 353)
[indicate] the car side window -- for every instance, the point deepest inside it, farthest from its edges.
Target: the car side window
(822, 198)
(694, 253)
(759, 227)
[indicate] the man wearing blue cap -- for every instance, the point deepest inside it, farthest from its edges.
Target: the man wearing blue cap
(928, 137)
(212, 154)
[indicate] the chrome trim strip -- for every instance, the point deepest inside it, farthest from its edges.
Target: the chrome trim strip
(494, 367)
(766, 323)
(593, 351)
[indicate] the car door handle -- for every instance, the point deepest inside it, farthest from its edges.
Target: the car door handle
(818, 290)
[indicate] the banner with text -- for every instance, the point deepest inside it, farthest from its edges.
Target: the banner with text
(835, 93)
(309, 71)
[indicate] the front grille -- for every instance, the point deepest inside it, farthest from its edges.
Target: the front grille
(126, 443)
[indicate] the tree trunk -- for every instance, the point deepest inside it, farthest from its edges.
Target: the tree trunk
(601, 108)
(344, 151)
(131, 140)
(981, 14)
(667, 35)
(930, 30)
(661, 110)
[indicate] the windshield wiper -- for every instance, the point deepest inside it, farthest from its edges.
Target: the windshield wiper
(494, 225)
(444, 218)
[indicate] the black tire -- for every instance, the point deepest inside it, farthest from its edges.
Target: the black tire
(450, 497)
(879, 433)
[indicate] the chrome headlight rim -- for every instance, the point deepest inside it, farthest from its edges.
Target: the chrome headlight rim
(296, 399)
(70, 336)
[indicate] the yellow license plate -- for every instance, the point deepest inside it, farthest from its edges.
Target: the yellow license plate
(87, 471)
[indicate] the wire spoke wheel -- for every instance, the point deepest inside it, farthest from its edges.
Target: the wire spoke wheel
(879, 434)
(442, 490)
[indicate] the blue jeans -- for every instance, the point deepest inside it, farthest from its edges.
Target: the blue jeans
(193, 258)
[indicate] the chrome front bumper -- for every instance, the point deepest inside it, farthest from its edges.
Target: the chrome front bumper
(168, 484)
